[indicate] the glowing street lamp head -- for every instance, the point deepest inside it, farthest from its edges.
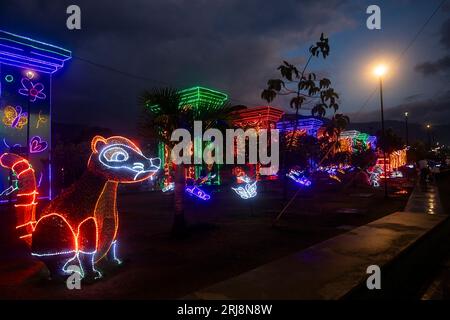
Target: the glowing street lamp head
(406, 114)
(428, 126)
(380, 70)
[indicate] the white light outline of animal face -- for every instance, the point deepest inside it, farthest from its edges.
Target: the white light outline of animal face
(247, 192)
(137, 168)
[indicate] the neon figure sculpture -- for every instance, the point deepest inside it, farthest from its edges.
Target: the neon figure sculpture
(375, 175)
(299, 177)
(247, 191)
(33, 91)
(169, 187)
(80, 225)
(197, 192)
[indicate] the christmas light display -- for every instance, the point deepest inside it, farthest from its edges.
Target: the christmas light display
(206, 179)
(201, 97)
(261, 117)
(396, 174)
(246, 190)
(394, 161)
(30, 54)
(257, 118)
(197, 192)
(333, 171)
(308, 125)
(80, 225)
(26, 69)
(375, 175)
(352, 140)
(198, 98)
(299, 177)
(169, 187)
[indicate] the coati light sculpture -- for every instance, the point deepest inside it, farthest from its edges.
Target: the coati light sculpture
(79, 227)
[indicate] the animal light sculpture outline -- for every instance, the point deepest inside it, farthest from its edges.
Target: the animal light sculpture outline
(248, 191)
(299, 177)
(80, 225)
(375, 175)
(197, 192)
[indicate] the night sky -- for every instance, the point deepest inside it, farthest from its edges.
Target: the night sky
(235, 46)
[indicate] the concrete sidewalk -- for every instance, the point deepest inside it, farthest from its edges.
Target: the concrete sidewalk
(425, 199)
(335, 267)
(330, 269)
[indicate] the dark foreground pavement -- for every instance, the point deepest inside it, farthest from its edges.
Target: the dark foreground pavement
(227, 237)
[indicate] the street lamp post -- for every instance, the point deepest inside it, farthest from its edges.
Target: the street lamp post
(380, 71)
(429, 135)
(406, 128)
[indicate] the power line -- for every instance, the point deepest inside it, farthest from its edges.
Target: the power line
(136, 76)
(416, 36)
(125, 73)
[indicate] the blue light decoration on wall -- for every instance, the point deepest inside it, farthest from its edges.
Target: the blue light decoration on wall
(197, 192)
(26, 69)
(310, 125)
(299, 177)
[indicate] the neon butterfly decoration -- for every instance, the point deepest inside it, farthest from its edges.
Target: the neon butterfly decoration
(14, 117)
(248, 191)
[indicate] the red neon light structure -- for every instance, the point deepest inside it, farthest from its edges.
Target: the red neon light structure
(262, 117)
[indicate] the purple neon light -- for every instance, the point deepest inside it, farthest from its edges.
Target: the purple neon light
(31, 54)
(37, 145)
(11, 47)
(34, 91)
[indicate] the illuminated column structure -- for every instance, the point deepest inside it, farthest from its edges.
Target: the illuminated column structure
(351, 139)
(26, 68)
(200, 99)
(309, 126)
(261, 117)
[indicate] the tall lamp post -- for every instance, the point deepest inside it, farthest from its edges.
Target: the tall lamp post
(380, 71)
(429, 135)
(406, 128)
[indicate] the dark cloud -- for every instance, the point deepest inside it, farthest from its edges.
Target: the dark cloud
(441, 65)
(435, 110)
(231, 45)
(413, 97)
(445, 34)
(431, 68)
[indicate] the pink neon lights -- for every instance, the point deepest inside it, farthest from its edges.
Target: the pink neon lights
(33, 91)
(37, 145)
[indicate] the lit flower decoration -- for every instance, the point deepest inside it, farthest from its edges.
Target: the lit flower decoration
(34, 91)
